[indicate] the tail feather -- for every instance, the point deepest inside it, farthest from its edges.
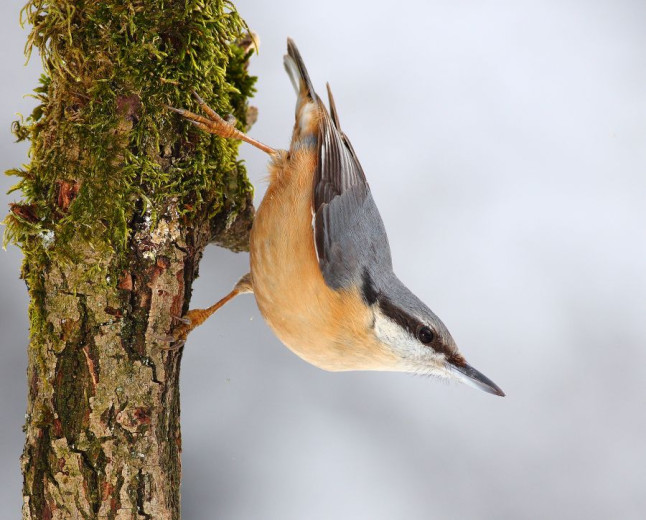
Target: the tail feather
(297, 72)
(333, 112)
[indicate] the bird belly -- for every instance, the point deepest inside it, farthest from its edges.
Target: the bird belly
(328, 328)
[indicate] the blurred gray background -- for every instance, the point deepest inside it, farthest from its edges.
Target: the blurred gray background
(504, 142)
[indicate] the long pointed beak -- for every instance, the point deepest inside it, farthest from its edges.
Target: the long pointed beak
(470, 376)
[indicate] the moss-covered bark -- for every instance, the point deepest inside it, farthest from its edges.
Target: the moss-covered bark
(120, 197)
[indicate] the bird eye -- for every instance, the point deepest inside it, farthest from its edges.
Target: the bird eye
(425, 335)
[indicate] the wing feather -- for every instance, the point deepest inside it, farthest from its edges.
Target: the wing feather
(349, 233)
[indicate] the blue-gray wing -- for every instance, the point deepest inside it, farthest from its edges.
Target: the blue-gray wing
(350, 237)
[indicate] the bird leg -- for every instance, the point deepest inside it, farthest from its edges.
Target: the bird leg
(195, 317)
(214, 124)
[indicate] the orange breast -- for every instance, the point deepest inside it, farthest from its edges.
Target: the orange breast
(330, 329)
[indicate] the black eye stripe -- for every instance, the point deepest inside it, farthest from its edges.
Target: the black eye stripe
(403, 319)
(412, 325)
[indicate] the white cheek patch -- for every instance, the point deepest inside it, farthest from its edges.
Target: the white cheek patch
(388, 332)
(414, 357)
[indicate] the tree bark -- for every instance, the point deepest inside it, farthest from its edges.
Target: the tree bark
(120, 199)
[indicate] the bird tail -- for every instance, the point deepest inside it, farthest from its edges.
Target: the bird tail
(308, 105)
(297, 72)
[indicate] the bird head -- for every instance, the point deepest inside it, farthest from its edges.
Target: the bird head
(421, 342)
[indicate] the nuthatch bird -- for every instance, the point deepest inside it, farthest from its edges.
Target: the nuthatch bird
(321, 269)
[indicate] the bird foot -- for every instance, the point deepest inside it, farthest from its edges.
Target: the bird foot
(177, 338)
(214, 124)
(195, 317)
(188, 322)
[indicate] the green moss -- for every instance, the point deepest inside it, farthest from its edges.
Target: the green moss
(105, 151)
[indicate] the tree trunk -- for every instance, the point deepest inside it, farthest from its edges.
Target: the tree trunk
(120, 198)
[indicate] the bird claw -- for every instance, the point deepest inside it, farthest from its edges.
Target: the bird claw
(174, 342)
(213, 123)
(168, 338)
(174, 346)
(186, 325)
(177, 339)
